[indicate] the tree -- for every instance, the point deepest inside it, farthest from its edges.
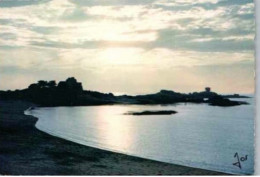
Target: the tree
(33, 86)
(42, 83)
(73, 84)
(62, 85)
(52, 84)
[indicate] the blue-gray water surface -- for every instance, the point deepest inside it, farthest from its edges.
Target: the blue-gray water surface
(199, 135)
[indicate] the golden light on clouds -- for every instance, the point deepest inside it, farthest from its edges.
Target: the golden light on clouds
(91, 40)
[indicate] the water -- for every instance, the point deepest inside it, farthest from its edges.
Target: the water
(198, 135)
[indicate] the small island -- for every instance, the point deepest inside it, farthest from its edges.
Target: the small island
(223, 101)
(236, 96)
(163, 112)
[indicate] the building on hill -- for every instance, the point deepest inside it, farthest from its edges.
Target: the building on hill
(207, 89)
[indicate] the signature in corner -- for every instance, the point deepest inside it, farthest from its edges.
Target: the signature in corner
(239, 160)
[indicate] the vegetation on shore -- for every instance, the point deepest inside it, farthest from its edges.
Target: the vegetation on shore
(71, 93)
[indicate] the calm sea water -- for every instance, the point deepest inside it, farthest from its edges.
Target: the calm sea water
(198, 135)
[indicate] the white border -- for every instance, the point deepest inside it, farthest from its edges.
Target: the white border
(257, 74)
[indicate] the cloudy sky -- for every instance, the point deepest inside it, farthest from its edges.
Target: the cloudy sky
(129, 46)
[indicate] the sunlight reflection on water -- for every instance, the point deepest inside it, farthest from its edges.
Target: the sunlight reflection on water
(198, 135)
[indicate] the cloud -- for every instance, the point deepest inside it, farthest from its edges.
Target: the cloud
(111, 2)
(20, 3)
(152, 35)
(7, 36)
(26, 58)
(46, 30)
(122, 21)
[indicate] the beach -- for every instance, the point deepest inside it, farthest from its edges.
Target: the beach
(25, 150)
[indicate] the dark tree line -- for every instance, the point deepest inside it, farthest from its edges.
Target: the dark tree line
(71, 93)
(49, 93)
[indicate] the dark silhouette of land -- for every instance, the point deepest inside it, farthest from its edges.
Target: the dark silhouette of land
(71, 93)
(151, 113)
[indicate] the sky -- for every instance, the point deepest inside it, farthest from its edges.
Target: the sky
(129, 46)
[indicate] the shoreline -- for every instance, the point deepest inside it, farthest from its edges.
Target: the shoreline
(25, 150)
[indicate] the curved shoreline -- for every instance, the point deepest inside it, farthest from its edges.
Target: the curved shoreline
(29, 151)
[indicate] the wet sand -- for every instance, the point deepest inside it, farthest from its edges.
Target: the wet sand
(24, 150)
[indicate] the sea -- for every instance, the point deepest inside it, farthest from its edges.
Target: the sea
(198, 135)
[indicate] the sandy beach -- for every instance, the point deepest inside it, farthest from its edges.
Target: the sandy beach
(25, 150)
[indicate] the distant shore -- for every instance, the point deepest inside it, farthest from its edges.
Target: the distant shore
(71, 93)
(25, 150)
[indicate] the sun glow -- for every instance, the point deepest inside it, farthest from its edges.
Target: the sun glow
(121, 56)
(114, 127)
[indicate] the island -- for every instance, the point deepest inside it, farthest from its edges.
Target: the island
(236, 96)
(71, 93)
(163, 112)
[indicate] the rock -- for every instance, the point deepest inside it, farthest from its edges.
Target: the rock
(163, 112)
